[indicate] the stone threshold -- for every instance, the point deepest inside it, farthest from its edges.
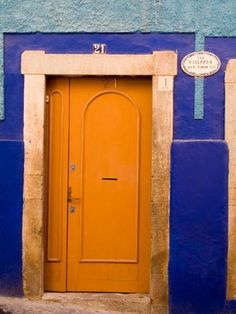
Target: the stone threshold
(120, 302)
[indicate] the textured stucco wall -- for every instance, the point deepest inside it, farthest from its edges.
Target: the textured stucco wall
(209, 17)
(215, 18)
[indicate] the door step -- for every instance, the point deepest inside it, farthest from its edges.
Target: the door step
(117, 302)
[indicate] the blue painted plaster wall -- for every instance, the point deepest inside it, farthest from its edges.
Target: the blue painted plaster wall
(11, 182)
(198, 234)
(198, 223)
(186, 129)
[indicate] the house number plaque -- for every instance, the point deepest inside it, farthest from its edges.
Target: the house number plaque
(99, 48)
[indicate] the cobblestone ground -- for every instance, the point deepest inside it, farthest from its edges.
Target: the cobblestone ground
(24, 306)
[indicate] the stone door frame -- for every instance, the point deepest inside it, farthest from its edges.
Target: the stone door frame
(35, 66)
(230, 138)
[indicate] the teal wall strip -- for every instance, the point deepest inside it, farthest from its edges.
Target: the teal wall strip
(198, 98)
(199, 82)
(199, 41)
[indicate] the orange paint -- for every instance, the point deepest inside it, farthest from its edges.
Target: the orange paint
(106, 224)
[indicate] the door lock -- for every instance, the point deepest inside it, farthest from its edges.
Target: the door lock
(69, 196)
(72, 209)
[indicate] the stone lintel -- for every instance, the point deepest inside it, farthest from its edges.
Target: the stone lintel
(161, 63)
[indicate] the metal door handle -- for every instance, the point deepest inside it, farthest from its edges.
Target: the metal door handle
(69, 196)
(72, 199)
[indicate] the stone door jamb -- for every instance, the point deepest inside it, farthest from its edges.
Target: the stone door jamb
(230, 138)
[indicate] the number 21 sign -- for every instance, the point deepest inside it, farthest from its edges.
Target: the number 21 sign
(99, 48)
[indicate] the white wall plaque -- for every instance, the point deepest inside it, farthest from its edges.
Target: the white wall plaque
(200, 63)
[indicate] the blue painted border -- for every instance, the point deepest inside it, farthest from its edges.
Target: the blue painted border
(134, 43)
(185, 127)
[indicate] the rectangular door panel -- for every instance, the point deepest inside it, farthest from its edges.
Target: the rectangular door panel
(110, 129)
(57, 159)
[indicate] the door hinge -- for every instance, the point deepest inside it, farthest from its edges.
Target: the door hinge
(47, 98)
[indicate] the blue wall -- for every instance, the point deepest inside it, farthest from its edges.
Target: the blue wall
(198, 221)
(11, 181)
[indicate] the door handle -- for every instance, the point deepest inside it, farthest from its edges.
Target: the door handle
(73, 199)
(69, 196)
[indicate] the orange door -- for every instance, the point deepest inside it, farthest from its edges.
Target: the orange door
(107, 237)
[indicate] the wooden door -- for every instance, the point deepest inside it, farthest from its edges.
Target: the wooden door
(106, 214)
